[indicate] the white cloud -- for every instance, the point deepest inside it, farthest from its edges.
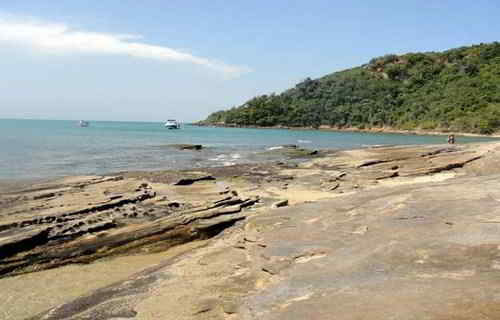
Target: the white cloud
(59, 38)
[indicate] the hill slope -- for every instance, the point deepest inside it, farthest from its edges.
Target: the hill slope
(457, 90)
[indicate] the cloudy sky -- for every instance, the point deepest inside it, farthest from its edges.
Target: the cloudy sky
(151, 60)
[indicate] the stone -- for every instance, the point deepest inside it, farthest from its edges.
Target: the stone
(189, 181)
(334, 187)
(196, 147)
(44, 196)
(425, 243)
(281, 203)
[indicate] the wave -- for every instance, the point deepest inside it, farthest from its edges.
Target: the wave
(304, 141)
(219, 157)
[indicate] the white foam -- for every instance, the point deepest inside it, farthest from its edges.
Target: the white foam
(304, 141)
(275, 148)
(220, 157)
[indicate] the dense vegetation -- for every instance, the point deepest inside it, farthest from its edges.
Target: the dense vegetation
(456, 90)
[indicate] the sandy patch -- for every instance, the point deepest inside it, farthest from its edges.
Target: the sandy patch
(27, 295)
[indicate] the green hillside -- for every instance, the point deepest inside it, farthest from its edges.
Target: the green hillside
(456, 90)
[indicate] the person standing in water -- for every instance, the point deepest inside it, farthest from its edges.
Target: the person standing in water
(451, 139)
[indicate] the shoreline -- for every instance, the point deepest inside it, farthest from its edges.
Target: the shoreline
(388, 130)
(241, 211)
(295, 154)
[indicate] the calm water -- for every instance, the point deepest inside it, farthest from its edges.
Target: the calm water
(33, 149)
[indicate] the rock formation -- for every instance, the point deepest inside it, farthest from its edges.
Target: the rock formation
(388, 232)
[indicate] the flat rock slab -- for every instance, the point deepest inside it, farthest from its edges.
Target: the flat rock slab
(401, 233)
(405, 253)
(414, 252)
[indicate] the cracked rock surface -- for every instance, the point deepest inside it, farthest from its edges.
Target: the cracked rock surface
(378, 233)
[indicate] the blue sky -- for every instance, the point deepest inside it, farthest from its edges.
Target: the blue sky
(151, 60)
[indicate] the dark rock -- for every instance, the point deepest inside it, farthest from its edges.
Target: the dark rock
(44, 196)
(283, 177)
(174, 204)
(188, 146)
(334, 187)
(282, 203)
(189, 181)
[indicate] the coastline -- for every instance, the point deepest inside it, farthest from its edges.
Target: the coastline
(354, 129)
(246, 217)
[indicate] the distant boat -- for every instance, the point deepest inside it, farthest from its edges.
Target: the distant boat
(172, 124)
(83, 123)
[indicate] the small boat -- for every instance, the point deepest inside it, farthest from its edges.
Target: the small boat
(83, 123)
(172, 124)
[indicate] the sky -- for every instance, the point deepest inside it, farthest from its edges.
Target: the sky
(152, 60)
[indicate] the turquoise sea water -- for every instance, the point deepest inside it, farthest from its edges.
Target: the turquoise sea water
(34, 149)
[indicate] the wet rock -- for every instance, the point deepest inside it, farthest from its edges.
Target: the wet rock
(292, 152)
(187, 146)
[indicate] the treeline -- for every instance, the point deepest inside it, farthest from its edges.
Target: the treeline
(456, 90)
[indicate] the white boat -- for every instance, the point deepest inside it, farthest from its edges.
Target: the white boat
(172, 124)
(83, 123)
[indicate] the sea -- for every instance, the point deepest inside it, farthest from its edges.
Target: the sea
(45, 149)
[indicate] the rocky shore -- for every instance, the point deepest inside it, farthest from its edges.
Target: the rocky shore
(386, 129)
(388, 232)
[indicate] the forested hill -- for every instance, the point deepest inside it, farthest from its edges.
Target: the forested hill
(456, 90)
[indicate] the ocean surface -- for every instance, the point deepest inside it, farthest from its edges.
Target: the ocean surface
(40, 149)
